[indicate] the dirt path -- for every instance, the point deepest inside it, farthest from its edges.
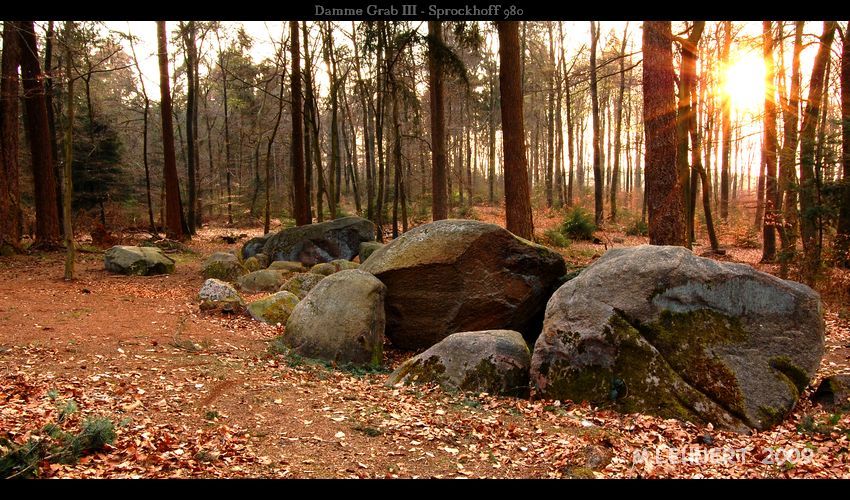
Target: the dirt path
(200, 396)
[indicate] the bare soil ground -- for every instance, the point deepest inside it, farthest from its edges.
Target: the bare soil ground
(200, 395)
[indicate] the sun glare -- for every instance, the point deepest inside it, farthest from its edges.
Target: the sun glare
(744, 82)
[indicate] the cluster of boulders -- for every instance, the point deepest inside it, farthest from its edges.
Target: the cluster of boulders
(649, 329)
(331, 310)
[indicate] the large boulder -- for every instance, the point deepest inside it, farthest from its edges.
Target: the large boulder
(223, 266)
(314, 243)
(492, 361)
(218, 295)
(328, 268)
(274, 309)
(254, 246)
(341, 320)
(461, 275)
(656, 329)
(265, 280)
(143, 261)
(300, 284)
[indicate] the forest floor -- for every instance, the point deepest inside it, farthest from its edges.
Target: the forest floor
(196, 395)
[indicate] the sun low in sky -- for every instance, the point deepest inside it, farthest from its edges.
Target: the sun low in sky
(743, 81)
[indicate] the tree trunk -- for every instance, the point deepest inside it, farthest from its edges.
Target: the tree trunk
(49, 41)
(843, 236)
(726, 129)
(788, 157)
(302, 215)
(227, 155)
(808, 205)
(438, 126)
(598, 181)
(173, 215)
(618, 117)
(770, 148)
(69, 159)
(663, 192)
(145, 116)
(550, 118)
(190, 46)
(570, 145)
(10, 195)
(46, 208)
(517, 197)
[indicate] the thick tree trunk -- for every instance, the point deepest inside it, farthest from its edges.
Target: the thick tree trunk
(439, 208)
(770, 147)
(663, 192)
(173, 215)
(44, 175)
(517, 197)
(302, 215)
(49, 41)
(10, 196)
(808, 205)
(788, 157)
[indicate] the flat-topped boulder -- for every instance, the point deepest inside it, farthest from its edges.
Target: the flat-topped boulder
(656, 329)
(142, 261)
(314, 243)
(453, 276)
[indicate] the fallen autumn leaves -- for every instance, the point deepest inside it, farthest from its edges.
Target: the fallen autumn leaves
(200, 396)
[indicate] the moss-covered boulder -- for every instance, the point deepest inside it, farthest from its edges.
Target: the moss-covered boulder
(274, 309)
(265, 280)
(656, 329)
(284, 265)
(254, 246)
(223, 266)
(461, 275)
(492, 361)
(300, 284)
(367, 248)
(341, 320)
(328, 268)
(252, 264)
(314, 243)
(220, 296)
(141, 261)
